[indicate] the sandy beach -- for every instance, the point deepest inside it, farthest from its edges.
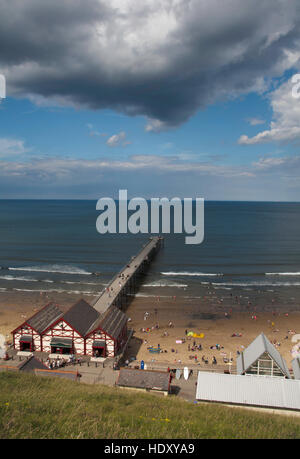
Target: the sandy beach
(228, 324)
(217, 324)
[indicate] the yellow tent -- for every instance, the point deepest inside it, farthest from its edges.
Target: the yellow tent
(200, 335)
(195, 335)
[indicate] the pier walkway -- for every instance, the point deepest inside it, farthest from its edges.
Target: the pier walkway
(126, 281)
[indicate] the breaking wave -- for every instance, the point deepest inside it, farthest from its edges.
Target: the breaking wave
(257, 284)
(70, 292)
(283, 274)
(186, 273)
(61, 269)
(163, 284)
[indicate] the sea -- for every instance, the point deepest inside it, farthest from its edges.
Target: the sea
(54, 246)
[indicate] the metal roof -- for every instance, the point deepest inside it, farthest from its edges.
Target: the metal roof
(264, 391)
(254, 351)
(296, 367)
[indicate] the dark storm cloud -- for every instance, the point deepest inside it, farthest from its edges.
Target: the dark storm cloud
(161, 59)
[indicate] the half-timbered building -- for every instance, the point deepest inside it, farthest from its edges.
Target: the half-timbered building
(108, 334)
(81, 330)
(28, 336)
(67, 334)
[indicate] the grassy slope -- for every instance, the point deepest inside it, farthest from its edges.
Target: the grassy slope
(39, 407)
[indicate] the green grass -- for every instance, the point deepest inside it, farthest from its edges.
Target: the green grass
(51, 408)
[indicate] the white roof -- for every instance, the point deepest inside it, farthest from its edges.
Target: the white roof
(260, 345)
(264, 391)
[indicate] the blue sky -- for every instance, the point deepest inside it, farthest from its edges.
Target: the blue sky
(181, 110)
(83, 134)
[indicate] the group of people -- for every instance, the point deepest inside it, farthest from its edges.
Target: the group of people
(146, 330)
(123, 278)
(195, 347)
(56, 363)
(205, 360)
(59, 363)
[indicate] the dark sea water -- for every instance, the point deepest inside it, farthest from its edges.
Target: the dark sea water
(54, 246)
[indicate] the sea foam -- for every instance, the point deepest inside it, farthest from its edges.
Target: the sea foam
(61, 269)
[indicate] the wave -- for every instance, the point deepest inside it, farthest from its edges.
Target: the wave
(12, 278)
(186, 273)
(70, 292)
(49, 281)
(25, 279)
(161, 284)
(61, 269)
(283, 274)
(257, 284)
(223, 288)
(81, 283)
(143, 295)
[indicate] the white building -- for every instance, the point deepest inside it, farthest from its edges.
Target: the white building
(262, 380)
(262, 358)
(251, 390)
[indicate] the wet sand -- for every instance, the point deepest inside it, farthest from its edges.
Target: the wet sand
(217, 317)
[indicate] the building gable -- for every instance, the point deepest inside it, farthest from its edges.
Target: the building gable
(261, 357)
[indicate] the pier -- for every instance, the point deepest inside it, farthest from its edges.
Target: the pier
(126, 282)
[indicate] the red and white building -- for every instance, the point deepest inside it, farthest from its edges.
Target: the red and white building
(81, 330)
(107, 336)
(28, 336)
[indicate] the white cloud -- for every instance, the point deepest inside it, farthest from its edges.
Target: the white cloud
(285, 126)
(155, 125)
(269, 178)
(266, 163)
(255, 121)
(55, 167)
(12, 147)
(117, 140)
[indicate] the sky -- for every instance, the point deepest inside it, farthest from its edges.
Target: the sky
(164, 98)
